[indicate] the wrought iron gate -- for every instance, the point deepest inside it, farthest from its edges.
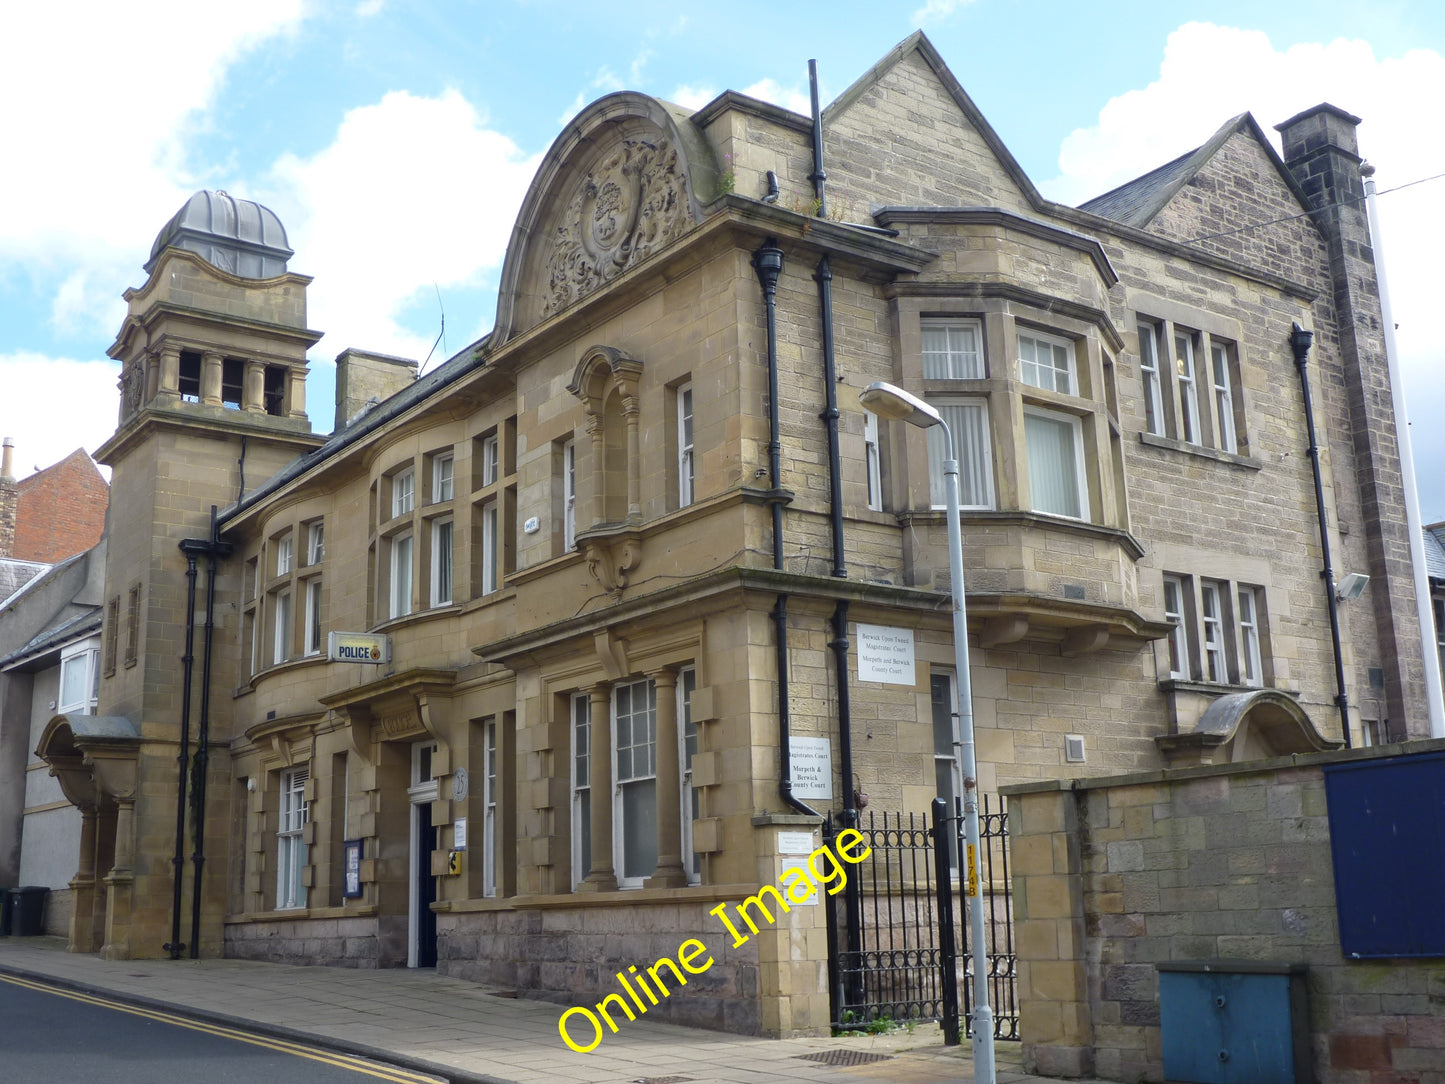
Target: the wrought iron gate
(897, 945)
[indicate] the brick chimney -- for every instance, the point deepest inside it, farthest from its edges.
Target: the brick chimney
(8, 499)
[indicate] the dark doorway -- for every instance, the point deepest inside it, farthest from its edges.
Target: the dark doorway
(426, 887)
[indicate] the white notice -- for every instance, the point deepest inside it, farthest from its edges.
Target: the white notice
(795, 842)
(885, 654)
(459, 834)
(811, 764)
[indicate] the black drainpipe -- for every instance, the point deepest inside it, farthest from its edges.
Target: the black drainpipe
(768, 263)
(190, 547)
(216, 549)
(1300, 341)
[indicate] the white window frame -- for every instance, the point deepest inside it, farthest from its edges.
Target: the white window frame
(316, 543)
(569, 495)
(314, 641)
(580, 721)
(634, 778)
(281, 627)
(873, 461)
(1223, 396)
(1174, 612)
(1251, 665)
(489, 808)
(401, 574)
(491, 460)
(491, 548)
(284, 553)
(86, 658)
(1215, 657)
(687, 742)
(403, 492)
(1081, 480)
(686, 468)
(1188, 386)
(290, 839)
(1149, 373)
(443, 564)
(957, 359)
(443, 477)
(980, 439)
(1069, 375)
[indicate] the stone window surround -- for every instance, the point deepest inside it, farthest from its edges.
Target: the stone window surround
(1006, 395)
(262, 594)
(1196, 671)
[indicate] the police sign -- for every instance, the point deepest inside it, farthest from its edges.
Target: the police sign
(358, 647)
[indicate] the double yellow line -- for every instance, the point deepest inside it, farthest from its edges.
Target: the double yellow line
(342, 1061)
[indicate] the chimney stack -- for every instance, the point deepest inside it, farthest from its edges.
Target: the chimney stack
(9, 499)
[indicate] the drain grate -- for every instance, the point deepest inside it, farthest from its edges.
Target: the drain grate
(663, 1080)
(845, 1057)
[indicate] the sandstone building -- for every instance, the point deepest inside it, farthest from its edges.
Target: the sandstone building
(642, 537)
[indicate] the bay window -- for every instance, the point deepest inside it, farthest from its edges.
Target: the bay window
(1047, 362)
(401, 575)
(967, 419)
(441, 562)
(1055, 444)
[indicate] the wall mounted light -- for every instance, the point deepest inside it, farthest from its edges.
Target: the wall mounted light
(1351, 587)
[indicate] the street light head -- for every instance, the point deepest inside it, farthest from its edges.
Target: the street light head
(896, 405)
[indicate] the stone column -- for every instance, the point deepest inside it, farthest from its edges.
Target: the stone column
(601, 877)
(170, 376)
(120, 885)
(630, 410)
(211, 378)
(670, 872)
(152, 364)
(253, 388)
(598, 497)
(82, 887)
(296, 393)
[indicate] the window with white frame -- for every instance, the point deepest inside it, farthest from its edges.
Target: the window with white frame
(1251, 670)
(401, 575)
(872, 461)
(1174, 615)
(441, 562)
(948, 775)
(952, 349)
(490, 540)
(569, 495)
(1188, 389)
(314, 639)
(686, 475)
(1047, 362)
(316, 543)
(1223, 396)
(443, 482)
(489, 808)
(691, 800)
(1149, 372)
(283, 555)
(1055, 444)
(281, 641)
(967, 420)
(634, 818)
(1211, 615)
(491, 460)
(290, 840)
(79, 680)
(581, 725)
(403, 492)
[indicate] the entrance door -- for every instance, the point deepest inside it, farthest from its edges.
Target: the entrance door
(422, 920)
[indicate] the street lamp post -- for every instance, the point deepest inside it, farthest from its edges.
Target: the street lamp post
(895, 404)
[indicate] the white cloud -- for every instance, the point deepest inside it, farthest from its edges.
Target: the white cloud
(690, 97)
(1210, 73)
(937, 9)
(770, 90)
(367, 8)
(412, 192)
(31, 381)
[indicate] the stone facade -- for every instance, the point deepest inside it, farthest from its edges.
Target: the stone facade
(1113, 877)
(587, 549)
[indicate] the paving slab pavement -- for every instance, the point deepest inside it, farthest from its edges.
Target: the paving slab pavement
(471, 1034)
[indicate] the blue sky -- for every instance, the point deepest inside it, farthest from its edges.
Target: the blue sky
(395, 140)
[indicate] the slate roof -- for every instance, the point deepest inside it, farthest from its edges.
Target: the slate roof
(1136, 202)
(57, 635)
(14, 575)
(1435, 551)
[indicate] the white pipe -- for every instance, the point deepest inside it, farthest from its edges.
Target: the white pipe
(1413, 524)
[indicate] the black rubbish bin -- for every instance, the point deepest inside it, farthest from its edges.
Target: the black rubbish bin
(5, 911)
(27, 910)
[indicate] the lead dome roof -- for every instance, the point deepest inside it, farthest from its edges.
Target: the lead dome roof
(234, 235)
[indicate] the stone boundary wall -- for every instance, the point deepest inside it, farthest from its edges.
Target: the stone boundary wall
(332, 942)
(1113, 876)
(570, 955)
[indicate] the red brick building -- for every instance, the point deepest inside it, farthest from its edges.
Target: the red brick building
(55, 513)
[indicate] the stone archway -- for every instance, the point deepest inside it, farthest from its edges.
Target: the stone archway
(93, 757)
(1253, 725)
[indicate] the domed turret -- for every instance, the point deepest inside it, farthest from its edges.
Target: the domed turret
(234, 235)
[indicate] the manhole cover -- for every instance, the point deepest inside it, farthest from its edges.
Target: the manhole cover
(663, 1080)
(845, 1057)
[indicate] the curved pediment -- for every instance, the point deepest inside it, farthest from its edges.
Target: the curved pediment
(628, 177)
(1252, 725)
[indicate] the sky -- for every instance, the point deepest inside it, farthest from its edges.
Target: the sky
(396, 141)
